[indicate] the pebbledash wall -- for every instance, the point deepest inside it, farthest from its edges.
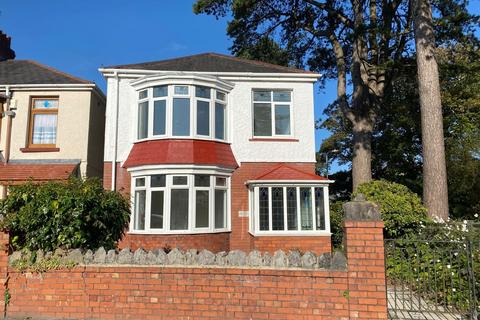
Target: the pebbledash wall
(179, 292)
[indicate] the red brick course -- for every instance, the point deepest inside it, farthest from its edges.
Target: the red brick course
(214, 242)
(318, 245)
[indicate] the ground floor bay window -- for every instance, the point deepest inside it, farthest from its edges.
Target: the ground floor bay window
(179, 203)
(289, 210)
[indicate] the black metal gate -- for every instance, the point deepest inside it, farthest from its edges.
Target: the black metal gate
(433, 279)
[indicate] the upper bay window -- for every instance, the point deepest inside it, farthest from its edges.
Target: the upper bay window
(272, 113)
(181, 111)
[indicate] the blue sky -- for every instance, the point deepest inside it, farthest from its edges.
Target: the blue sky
(78, 37)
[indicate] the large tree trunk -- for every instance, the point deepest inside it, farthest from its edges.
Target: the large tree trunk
(362, 153)
(435, 192)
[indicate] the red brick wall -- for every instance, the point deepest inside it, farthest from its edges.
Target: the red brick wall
(122, 183)
(317, 245)
(214, 242)
(240, 238)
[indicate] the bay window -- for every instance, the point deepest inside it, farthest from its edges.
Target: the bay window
(181, 111)
(288, 209)
(179, 203)
(272, 113)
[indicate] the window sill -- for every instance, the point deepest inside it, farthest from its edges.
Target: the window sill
(36, 149)
(273, 140)
(291, 234)
(175, 233)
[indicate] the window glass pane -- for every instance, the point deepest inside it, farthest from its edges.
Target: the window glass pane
(202, 92)
(201, 209)
(263, 203)
(180, 90)
(142, 94)
(319, 209)
(44, 129)
(160, 91)
(179, 209)
(140, 182)
(179, 181)
(159, 116)
(219, 121)
(282, 96)
(292, 208)
(156, 210)
(221, 96)
(45, 104)
(157, 180)
(262, 119)
(221, 182)
(277, 209)
(262, 95)
(220, 209)
(306, 208)
(203, 118)
(181, 117)
(202, 180)
(139, 217)
(142, 120)
(282, 119)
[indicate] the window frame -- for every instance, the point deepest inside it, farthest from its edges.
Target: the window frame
(273, 104)
(254, 212)
(190, 186)
(31, 116)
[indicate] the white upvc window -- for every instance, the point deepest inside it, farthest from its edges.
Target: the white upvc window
(179, 203)
(272, 113)
(181, 111)
(290, 210)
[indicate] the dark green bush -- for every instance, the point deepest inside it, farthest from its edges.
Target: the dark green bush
(74, 214)
(402, 210)
(336, 223)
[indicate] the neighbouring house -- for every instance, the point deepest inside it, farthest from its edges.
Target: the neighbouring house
(216, 152)
(51, 124)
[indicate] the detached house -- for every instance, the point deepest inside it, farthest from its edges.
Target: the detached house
(216, 152)
(51, 124)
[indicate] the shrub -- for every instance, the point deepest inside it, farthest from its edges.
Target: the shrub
(336, 223)
(74, 214)
(401, 209)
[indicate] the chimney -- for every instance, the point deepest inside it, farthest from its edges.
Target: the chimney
(6, 52)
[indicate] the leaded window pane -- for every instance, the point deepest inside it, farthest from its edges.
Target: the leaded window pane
(157, 180)
(156, 210)
(264, 208)
(202, 92)
(182, 90)
(180, 180)
(319, 209)
(160, 91)
(202, 180)
(282, 96)
(306, 208)
(277, 209)
(259, 95)
(142, 94)
(45, 104)
(292, 223)
(140, 182)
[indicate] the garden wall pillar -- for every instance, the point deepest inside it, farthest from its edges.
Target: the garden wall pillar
(363, 236)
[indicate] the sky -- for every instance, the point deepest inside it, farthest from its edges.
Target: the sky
(78, 37)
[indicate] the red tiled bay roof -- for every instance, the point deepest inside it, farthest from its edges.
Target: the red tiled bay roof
(14, 173)
(285, 172)
(181, 151)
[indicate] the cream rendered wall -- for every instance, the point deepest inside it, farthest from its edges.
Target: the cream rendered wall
(72, 126)
(240, 113)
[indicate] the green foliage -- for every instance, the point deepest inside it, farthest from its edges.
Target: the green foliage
(336, 223)
(73, 214)
(44, 265)
(401, 209)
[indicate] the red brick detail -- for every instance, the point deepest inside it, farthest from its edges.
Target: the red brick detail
(123, 181)
(4, 247)
(240, 238)
(366, 269)
(179, 151)
(318, 245)
(13, 173)
(287, 172)
(214, 242)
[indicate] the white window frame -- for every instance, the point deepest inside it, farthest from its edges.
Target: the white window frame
(255, 211)
(167, 201)
(272, 113)
(193, 112)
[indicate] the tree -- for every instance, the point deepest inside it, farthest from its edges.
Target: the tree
(435, 191)
(357, 40)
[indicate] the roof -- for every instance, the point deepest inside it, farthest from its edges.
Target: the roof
(285, 172)
(211, 62)
(14, 173)
(181, 151)
(32, 72)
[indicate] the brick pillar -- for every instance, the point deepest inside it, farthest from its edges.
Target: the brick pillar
(363, 236)
(4, 243)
